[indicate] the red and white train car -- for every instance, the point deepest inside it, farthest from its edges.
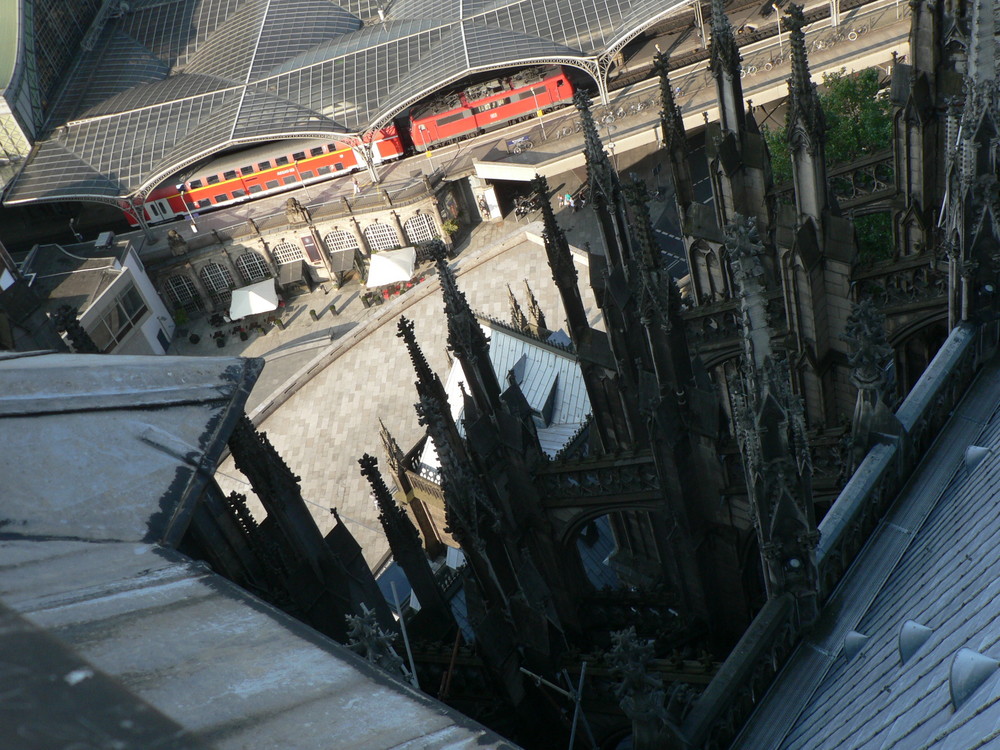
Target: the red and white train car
(479, 108)
(244, 175)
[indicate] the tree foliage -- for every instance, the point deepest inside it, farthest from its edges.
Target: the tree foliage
(858, 119)
(874, 237)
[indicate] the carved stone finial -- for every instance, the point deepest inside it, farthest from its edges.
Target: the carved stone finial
(177, 244)
(365, 637)
(393, 453)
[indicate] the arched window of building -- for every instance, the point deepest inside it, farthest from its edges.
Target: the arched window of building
(340, 240)
(182, 293)
(252, 267)
(218, 281)
(286, 252)
(381, 237)
(420, 228)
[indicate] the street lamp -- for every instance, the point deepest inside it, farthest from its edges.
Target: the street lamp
(187, 209)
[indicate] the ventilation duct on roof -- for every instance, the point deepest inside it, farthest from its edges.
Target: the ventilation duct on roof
(912, 636)
(969, 670)
(853, 643)
(974, 456)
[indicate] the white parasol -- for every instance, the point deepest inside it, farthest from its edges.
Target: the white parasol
(391, 266)
(256, 298)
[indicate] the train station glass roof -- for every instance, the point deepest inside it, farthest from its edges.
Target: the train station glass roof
(169, 82)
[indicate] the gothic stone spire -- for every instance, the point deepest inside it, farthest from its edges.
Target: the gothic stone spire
(468, 342)
(805, 101)
(674, 139)
(517, 317)
(535, 310)
(725, 64)
(601, 175)
(770, 429)
(806, 126)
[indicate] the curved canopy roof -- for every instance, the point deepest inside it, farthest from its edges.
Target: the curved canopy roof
(172, 81)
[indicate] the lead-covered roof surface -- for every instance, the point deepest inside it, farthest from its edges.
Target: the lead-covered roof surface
(171, 81)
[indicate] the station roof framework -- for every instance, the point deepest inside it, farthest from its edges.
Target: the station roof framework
(171, 82)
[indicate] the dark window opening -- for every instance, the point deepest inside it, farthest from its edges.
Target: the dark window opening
(281, 161)
(307, 175)
(272, 184)
(230, 175)
(195, 184)
(338, 166)
(213, 179)
(316, 151)
(246, 170)
(204, 203)
(254, 189)
(264, 165)
(220, 198)
(239, 193)
(299, 155)
(289, 179)
(323, 170)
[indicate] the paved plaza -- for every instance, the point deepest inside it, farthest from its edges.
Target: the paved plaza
(329, 394)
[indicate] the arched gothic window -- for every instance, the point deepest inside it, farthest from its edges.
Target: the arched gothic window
(381, 237)
(252, 267)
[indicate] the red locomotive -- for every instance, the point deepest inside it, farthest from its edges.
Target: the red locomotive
(248, 174)
(488, 105)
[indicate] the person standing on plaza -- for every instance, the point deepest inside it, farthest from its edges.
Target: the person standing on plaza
(357, 185)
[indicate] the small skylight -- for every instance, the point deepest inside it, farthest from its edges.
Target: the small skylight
(912, 636)
(969, 670)
(974, 456)
(853, 643)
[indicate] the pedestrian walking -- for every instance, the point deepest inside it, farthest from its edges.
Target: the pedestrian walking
(357, 185)
(562, 202)
(570, 202)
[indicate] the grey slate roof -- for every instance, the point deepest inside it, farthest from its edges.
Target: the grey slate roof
(934, 560)
(172, 81)
(110, 637)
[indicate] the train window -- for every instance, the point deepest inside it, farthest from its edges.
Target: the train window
(272, 184)
(213, 179)
(281, 161)
(338, 166)
(289, 179)
(331, 147)
(264, 165)
(153, 209)
(246, 170)
(254, 189)
(221, 198)
(316, 151)
(204, 203)
(231, 175)
(453, 118)
(239, 193)
(307, 175)
(323, 170)
(194, 184)
(299, 155)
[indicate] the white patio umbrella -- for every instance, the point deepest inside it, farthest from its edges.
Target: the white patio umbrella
(256, 298)
(391, 266)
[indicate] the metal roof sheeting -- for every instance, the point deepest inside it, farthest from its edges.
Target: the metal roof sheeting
(935, 559)
(173, 80)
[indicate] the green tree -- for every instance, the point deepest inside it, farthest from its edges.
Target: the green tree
(874, 237)
(858, 119)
